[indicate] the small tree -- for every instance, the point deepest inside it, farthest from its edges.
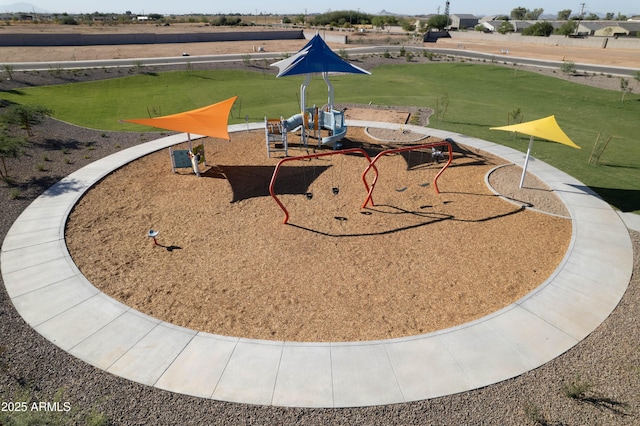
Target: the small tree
(506, 27)
(624, 87)
(568, 67)
(539, 29)
(518, 13)
(68, 20)
(577, 389)
(8, 68)
(564, 14)
(10, 147)
(567, 28)
(442, 104)
(27, 115)
(408, 26)
(533, 15)
(515, 116)
(439, 22)
(378, 21)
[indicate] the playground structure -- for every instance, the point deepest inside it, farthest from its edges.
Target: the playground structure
(317, 58)
(278, 167)
(276, 136)
(368, 187)
(435, 154)
(312, 121)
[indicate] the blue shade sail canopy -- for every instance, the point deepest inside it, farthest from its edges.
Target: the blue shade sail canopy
(315, 57)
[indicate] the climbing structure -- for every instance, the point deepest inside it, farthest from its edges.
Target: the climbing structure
(317, 58)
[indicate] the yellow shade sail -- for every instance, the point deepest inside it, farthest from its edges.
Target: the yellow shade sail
(210, 121)
(544, 128)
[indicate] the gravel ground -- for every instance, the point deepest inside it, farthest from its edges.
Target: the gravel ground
(605, 366)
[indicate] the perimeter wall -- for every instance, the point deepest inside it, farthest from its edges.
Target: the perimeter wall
(553, 40)
(37, 39)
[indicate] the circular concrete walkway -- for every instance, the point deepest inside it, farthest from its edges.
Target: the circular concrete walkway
(55, 298)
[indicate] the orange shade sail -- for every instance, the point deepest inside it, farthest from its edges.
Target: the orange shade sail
(209, 121)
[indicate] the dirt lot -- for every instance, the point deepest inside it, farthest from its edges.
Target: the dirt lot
(584, 55)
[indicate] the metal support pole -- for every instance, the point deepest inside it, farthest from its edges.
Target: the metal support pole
(526, 161)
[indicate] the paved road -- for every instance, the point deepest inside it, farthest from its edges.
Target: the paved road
(114, 63)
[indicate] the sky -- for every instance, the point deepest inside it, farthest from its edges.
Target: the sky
(408, 7)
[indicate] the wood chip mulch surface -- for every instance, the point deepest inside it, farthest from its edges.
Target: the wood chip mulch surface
(413, 263)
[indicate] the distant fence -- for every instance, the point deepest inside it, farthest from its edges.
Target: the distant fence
(433, 36)
(328, 36)
(36, 39)
(553, 40)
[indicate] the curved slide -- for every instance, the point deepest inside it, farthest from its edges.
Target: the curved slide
(334, 122)
(328, 122)
(333, 139)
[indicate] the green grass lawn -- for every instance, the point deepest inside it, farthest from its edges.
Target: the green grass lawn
(478, 97)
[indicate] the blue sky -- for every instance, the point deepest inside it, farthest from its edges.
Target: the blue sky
(412, 7)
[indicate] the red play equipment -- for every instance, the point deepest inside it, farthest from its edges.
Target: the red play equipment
(370, 166)
(317, 155)
(369, 198)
